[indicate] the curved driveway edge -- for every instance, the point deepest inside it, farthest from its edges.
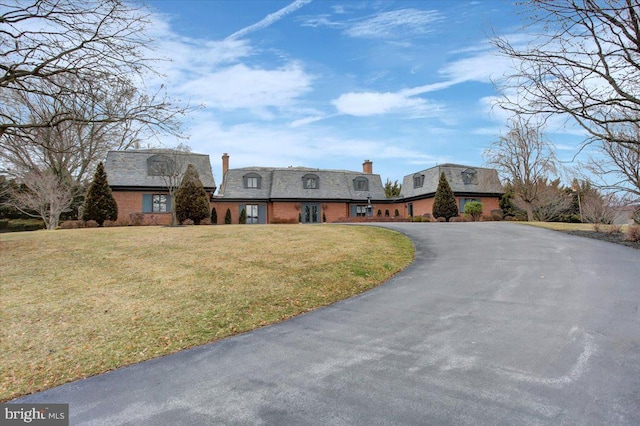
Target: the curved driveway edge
(494, 323)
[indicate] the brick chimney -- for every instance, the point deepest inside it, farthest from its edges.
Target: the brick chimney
(367, 167)
(225, 168)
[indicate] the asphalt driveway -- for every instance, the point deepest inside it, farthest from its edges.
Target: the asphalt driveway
(494, 323)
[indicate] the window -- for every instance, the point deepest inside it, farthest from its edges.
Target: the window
(252, 181)
(361, 184)
(310, 182)
(159, 203)
(418, 180)
(252, 213)
(159, 165)
(470, 176)
(361, 211)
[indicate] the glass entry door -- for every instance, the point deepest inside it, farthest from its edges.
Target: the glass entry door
(311, 213)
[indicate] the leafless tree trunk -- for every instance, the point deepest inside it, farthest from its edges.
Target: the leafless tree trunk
(584, 63)
(46, 197)
(524, 158)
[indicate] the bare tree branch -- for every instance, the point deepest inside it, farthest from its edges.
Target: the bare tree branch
(68, 51)
(524, 158)
(584, 64)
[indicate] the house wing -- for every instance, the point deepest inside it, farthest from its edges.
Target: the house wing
(331, 185)
(462, 179)
(133, 169)
(239, 183)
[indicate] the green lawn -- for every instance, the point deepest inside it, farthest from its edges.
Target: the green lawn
(76, 303)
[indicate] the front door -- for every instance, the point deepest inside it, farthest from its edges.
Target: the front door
(311, 213)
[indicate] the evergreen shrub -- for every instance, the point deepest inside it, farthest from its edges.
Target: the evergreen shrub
(474, 210)
(100, 204)
(191, 198)
(444, 203)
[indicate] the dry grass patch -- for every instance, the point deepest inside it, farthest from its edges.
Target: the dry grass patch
(76, 303)
(561, 226)
(570, 227)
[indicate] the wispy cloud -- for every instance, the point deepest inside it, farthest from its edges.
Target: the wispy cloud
(392, 25)
(396, 23)
(269, 19)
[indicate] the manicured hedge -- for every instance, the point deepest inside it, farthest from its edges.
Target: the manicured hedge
(17, 225)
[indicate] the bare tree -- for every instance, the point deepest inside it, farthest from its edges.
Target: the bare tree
(617, 166)
(84, 61)
(71, 147)
(599, 208)
(525, 158)
(552, 201)
(170, 165)
(44, 195)
(583, 62)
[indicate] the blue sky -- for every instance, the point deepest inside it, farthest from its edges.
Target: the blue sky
(328, 84)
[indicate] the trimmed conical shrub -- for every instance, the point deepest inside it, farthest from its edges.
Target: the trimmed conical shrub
(100, 204)
(444, 204)
(214, 216)
(191, 198)
(227, 217)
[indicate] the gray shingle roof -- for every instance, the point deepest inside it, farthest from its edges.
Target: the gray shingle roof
(129, 168)
(287, 183)
(462, 179)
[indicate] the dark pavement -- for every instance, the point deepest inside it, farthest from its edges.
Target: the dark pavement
(494, 323)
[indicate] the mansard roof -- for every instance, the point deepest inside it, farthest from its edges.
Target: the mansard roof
(131, 168)
(287, 183)
(462, 179)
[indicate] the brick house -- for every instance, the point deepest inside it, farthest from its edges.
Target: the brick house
(467, 183)
(289, 194)
(297, 194)
(138, 180)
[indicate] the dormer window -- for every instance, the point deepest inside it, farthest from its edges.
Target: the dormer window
(159, 165)
(252, 181)
(361, 183)
(470, 177)
(310, 181)
(418, 180)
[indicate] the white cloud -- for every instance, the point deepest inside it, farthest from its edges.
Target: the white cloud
(273, 145)
(240, 86)
(484, 67)
(375, 103)
(395, 23)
